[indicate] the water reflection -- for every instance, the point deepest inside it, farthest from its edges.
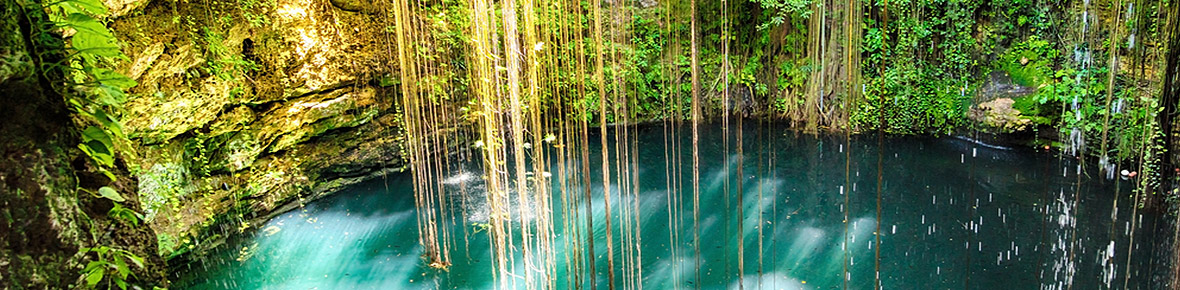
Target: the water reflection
(955, 214)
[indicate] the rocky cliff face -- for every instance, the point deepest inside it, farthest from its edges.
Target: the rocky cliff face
(46, 184)
(246, 106)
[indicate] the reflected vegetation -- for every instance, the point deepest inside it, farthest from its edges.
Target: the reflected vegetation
(955, 214)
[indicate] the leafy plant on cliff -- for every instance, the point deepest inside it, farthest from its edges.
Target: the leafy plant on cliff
(109, 263)
(645, 71)
(1030, 62)
(94, 90)
(118, 212)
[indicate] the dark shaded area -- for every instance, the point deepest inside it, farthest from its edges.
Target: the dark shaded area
(1170, 94)
(47, 218)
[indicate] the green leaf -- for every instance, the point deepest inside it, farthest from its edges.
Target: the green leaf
(95, 46)
(103, 159)
(92, 37)
(93, 133)
(93, 6)
(94, 276)
(108, 174)
(110, 96)
(96, 143)
(135, 259)
(89, 25)
(91, 266)
(110, 193)
(125, 214)
(121, 267)
(110, 123)
(113, 79)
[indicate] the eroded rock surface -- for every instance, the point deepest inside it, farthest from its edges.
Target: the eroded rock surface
(993, 104)
(237, 117)
(998, 113)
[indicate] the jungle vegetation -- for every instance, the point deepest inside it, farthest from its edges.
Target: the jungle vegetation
(520, 74)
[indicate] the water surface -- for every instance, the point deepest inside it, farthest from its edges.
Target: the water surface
(954, 214)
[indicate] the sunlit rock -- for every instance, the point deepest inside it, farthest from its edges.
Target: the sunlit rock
(999, 114)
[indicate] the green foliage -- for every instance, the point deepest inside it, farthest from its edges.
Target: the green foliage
(922, 66)
(1030, 62)
(792, 81)
(94, 90)
(110, 193)
(1031, 108)
(778, 12)
(645, 71)
(221, 62)
(92, 39)
(110, 265)
(747, 75)
(255, 11)
(97, 143)
(906, 101)
(873, 45)
(96, 93)
(199, 155)
(929, 92)
(126, 215)
(387, 80)
(162, 187)
(166, 242)
(1080, 96)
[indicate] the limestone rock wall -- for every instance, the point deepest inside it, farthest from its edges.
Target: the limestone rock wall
(245, 107)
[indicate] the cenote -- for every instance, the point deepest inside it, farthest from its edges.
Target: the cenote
(954, 214)
(589, 144)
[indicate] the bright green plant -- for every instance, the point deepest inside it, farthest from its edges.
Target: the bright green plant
(118, 212)
(110, 265)
(96, 93)
(792, 79)
(110, 193)
(94, 88)
(1030, 62)
(646, 70)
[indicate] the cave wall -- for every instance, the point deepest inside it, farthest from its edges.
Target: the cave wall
(244, 112)
(47, 214)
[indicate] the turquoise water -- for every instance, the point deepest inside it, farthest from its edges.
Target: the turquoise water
(955, 214)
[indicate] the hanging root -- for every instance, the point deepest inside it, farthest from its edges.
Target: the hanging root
(436, 262)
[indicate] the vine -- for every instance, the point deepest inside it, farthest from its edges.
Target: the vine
(96, 93)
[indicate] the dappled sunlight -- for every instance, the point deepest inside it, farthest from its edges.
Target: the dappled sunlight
(772, 280)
